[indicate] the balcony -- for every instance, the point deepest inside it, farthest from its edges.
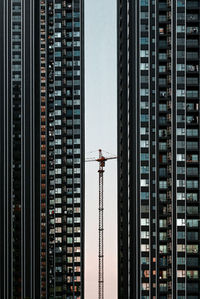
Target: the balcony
(192, 107)
(192, 30)
(163, 44)
(193, 56)
(192, 43)
(192, 68)
(163, 5)
(162, 18)
(192, 17)
(192, 5)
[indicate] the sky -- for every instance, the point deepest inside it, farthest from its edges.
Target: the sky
(101, 132)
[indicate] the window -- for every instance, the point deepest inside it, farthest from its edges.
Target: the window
(162, 197)
(192, 210)
(162, 56)
(192, 261)
(144, 92)
(180, 196)
(145, 274)
(192, 67)
(144, 79)
(57, 6)
(181, 80)
(76, 24)
(192, 196)
(192, 145)
(144, 131)
(144, 2)
(162, 107)
(192, 93)
(58, 171)
(144, 15)
(144, 143)
(162, 120)
(163, 184)
(144, 117)
(57, 35)
(144, 157)
(192, 248)
(144, 27)
(180, 235)
(144, 169)
(180, 157)
(76, 34)
(163, 158)
(162, 172)
(162, 68)
(144, 66)
(163, 261)
(145, 247)
(57, 44)
(180, 3)
(193, 287)
(180, 286)
(162, 248)
(57, 53)
(162, 274)
(145, 286)
(163, 287)
(58, 210)
(58, 190)
(180, 183)
(194, 274)
(163, 133)
(180, 67)
(180, 41)
(144, 53)
(145, 221)
(192, 223)
(144, 260)
(180, 29)
(180, 273)
(144, 195)
(58, 122)
(192, 55)
(162, 223)
(180, 131)
(180, 170)
(180, 209)
(180, 222)
(58, 181)
(180, 247)
(192, 171)
(144, 40)
(180, 106)
(162, 146)
(58, 142)
(180, 92)
(76, 53)
(192, 184)
(162, 236)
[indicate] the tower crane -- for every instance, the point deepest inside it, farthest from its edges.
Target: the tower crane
(101, 160)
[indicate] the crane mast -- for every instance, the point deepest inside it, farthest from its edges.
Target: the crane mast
(101, 161)
(101, 240)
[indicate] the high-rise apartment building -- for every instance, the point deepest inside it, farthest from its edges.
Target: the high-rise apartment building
(42, 149)
(158, 149)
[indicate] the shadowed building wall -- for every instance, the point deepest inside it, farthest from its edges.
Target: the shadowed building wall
(42, 149)
(158, 149)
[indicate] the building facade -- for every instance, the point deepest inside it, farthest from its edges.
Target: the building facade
(42, 149)
(158, 149)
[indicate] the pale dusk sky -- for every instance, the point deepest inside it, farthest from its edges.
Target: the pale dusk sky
(101, 132)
